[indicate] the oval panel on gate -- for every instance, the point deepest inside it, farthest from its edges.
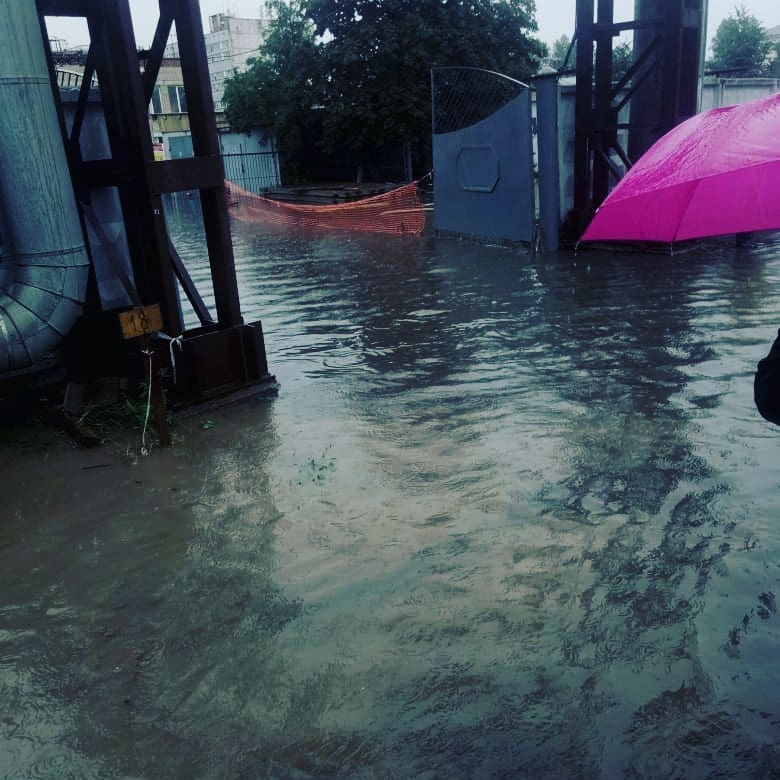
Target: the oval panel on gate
(477, 168)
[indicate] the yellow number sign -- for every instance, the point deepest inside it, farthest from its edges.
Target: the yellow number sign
(140, 321)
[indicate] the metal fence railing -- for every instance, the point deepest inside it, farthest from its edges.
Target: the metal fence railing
(71, 79)
(462, 96)
(253, 171)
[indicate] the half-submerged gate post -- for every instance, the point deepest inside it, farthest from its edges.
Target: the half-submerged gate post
(546, 82)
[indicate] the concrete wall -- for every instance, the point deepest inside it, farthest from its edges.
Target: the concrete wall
(716, 92)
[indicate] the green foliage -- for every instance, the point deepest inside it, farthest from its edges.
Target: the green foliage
(282, 84)
(368, 68)
(380, 52)
(622, 57)
(741, 45)
(774, 63)
(560, 49)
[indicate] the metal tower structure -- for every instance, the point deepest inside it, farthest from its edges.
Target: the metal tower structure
(224, 354)
(659, 90)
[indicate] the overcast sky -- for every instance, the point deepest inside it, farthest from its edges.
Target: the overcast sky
(555, 17)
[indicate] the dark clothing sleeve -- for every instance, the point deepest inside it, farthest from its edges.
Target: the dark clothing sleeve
(766, 385)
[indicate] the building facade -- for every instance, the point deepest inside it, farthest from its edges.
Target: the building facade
(250, 159)
(230, 42)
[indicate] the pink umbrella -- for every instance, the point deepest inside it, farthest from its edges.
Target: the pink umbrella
(714, 174)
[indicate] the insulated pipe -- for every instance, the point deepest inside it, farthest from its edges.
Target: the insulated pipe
(43, 259)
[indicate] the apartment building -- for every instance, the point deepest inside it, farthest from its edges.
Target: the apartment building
(230, 41)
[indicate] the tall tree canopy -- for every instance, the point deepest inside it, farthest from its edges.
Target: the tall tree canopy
(622, 56)
(283, 82)
(368, 72)
(622, 59)
(774, 64)
(561, 48)
(741, 45)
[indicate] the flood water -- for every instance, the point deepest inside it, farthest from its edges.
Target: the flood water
(509, 516)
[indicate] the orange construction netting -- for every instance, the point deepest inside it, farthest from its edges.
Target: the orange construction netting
(398, 211)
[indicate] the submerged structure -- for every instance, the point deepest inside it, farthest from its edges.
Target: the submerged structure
(84, 237)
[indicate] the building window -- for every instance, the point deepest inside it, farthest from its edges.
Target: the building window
(177, 99)
(155, 106)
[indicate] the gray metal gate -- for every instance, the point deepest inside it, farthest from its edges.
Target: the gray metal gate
(254, 171)
(482, 155)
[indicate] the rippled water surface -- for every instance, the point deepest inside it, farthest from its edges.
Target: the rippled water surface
(508, 517)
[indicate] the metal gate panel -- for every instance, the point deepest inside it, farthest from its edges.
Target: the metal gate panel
(482, 156)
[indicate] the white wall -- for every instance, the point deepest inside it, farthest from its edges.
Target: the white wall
(716, 92)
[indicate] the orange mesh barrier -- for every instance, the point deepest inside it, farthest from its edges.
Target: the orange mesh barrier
(399, 211)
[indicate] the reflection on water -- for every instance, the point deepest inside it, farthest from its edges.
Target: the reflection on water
(509, 516)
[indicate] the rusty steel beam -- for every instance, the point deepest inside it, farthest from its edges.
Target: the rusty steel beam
(155, 55)
(205, 142)
(583, 109)
(604, 115)
(69, 7)
(186, 173)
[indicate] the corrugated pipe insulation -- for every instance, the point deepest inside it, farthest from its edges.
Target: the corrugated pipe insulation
(43, 259)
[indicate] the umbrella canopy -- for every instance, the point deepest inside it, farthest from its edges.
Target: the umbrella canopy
(714, 174)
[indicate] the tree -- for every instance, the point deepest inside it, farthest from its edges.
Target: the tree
(741, 45)
(622, 59)
(774, 61)
(560, 49)
(282, 84)
(366, 65)
(380, 53)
